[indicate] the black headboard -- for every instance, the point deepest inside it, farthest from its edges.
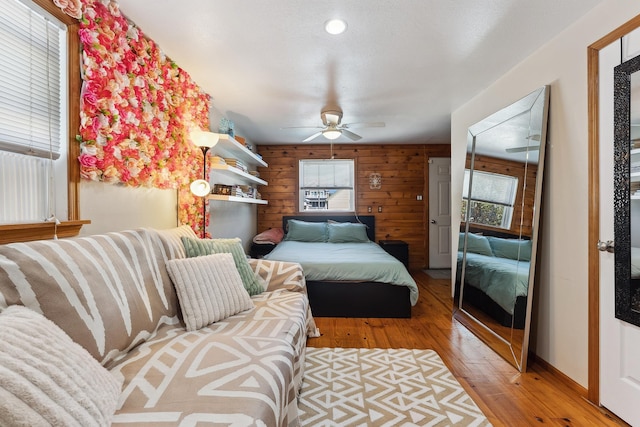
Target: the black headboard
(368, 220)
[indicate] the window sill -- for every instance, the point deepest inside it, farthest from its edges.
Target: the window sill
(11, 233)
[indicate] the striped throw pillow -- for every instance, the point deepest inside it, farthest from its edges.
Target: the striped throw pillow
(209, 289)
(199, 247)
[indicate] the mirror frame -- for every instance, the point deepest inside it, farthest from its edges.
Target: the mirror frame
(497, 342)
(622, 189)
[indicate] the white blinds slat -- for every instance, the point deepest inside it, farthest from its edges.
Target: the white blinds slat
(17, 173)
(30, 81)
(335, 173)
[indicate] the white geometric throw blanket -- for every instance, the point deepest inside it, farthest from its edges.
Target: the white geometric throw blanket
(383, 387)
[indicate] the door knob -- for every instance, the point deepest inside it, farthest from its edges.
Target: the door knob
(433, 221)
(607, 246)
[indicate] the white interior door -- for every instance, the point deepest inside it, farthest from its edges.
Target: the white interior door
(440, 212)
(619, 341)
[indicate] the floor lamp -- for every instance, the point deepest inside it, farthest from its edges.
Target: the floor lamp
(201, 187)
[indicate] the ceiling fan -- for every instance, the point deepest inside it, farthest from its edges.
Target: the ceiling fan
(525, 147)
(333, 128)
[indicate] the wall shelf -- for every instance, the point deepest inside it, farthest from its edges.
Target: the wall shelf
(237, 199)
(227, 146)
(237, 174)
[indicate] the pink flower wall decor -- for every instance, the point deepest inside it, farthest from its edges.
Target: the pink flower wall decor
(137, 108)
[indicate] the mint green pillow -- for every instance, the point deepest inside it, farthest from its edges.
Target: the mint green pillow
(198, 247)
(347, 232)
(511, 248)
(476, 243)
(304, 231)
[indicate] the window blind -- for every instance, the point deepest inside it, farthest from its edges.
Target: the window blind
(491, 188)
(30, 81)
(327, 174)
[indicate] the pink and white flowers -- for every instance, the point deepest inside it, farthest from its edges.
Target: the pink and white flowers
(137, 108)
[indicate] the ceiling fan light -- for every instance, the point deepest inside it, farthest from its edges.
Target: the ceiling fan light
(335, 26)
(331, 134)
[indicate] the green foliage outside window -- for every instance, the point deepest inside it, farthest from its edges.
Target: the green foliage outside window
(484, 213)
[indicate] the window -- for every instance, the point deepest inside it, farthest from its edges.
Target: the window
(33, 105)
(492, 198)
(326, 185)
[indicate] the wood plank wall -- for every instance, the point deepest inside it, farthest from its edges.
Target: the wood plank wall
(404, 170)
(526, 189)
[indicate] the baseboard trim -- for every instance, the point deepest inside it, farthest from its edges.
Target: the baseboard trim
(544, 365)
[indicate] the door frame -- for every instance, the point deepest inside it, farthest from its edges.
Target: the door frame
(593, 100)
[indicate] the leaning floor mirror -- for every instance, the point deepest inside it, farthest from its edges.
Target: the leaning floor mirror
(498, 238)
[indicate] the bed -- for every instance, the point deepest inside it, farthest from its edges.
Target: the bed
(347, 273)
(496, 276)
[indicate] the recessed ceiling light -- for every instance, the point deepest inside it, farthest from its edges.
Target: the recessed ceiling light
(335, 26)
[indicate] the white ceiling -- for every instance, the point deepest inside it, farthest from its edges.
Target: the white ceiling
(408, 63)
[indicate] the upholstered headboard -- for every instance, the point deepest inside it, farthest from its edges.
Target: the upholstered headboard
(368, 220)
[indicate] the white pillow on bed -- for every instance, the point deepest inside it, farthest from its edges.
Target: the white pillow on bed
(347, 232)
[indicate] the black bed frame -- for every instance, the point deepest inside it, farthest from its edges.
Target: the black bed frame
(482, 301)
(354, 299)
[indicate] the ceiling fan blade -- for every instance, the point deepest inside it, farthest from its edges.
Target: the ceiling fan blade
(314, 136)
(352, 136)
(363, 125)
(522, 149)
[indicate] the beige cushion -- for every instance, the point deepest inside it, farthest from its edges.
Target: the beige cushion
(209, 289)
(47, 379)
(172, 244)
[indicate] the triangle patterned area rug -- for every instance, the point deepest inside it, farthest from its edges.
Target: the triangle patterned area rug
(383, 387)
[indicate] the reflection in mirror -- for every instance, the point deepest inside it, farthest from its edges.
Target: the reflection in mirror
(627, 190)
(499, 225)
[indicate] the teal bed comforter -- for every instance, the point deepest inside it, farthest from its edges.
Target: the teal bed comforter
(502, 279)
(346, 262)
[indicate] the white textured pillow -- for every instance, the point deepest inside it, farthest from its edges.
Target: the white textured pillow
(209, 289)
(48, 379)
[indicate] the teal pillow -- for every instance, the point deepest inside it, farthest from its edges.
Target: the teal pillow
(198, 247)
(347, 232)
(303, 231)
(511, 248)
(476, 243)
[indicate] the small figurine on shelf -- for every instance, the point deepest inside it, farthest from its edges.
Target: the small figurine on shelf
(232, 131)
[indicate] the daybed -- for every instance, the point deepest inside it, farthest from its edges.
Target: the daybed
(125, 323)
(496, 276)
(347, 273)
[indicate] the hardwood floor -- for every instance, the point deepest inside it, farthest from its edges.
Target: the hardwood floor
(507, 397)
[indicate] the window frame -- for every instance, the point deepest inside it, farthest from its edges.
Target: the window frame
(23, 232)
(301, 189)
(468, 199)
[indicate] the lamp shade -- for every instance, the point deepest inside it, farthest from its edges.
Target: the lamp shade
(200, 187)
(203, 138)
(331, 134)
